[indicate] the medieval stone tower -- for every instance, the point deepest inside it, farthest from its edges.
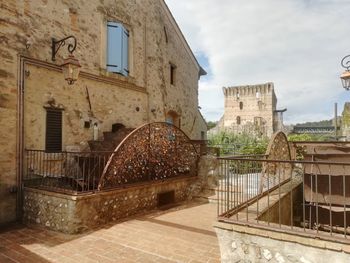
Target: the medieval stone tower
(252, 109)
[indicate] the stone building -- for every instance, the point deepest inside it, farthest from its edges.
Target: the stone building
(345, 121)
(252, 109)
(136, 68)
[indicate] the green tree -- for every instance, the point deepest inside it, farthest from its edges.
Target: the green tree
(211, 124)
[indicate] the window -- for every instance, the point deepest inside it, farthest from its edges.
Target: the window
(258, 121)
(241, 105)
(172, 74)
(53, 142)
(166, 35)
(258, 95)
(237, 95)
(202, 135)
(173, 118)
(117, 48)
(238, 120)
(260, 105)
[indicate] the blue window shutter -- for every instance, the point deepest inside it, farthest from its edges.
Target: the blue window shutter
(114, 47)
(125, 53)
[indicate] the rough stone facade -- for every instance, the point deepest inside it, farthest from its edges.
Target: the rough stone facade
(76, 214)
(250, 109)
(29, 80)
(249, 244)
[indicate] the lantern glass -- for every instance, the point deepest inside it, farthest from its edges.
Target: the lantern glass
(71, 69)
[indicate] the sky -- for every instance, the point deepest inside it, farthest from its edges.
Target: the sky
(296, 44)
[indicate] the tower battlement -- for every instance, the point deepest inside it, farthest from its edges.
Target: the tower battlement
(247, 90)
(250, 107)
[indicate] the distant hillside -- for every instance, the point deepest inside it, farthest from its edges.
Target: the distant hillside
(323, 123)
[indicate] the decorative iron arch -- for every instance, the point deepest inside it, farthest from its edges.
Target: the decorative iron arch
(274, 173)
(278, 148)
(152, 152)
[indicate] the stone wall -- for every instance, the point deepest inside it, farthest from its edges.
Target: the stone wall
(249, 244)
(250, 103)
(110, 104)
(345, 123)
(208, 172)
(146, 95)
(76, 214)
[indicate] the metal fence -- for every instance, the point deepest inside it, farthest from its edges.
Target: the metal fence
(234, 149)
(74, 172)
(303, 197)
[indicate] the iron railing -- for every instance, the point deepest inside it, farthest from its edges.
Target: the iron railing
(73, 172)
(301, 197)
(234, 149)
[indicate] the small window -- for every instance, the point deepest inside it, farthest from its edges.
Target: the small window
(241, 105)
(166, 35)
(202, 135)
(53, 142)
(258, 121)
(172, 74)
(173, 118)
(258, 95)
(260, 105)
(117, 48)
(238, 120)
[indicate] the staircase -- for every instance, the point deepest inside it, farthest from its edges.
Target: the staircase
(110, 140)
(92, 165)
(324, 182)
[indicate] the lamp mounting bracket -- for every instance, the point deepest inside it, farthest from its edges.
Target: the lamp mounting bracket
(57, 44)
(345, 62)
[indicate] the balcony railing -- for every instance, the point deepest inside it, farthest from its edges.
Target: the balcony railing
(74, 172)
(301, 197)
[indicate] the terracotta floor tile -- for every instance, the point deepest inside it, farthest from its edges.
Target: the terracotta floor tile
(181, 234)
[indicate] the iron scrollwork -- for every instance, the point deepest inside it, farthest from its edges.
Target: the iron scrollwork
(57, 44)
(345, 62)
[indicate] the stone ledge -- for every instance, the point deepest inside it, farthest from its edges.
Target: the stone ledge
(286, 237)
(81, 196)
(80, 213)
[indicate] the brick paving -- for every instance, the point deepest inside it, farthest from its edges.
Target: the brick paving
(180, 234)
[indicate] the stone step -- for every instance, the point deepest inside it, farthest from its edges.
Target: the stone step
(328, 156)
(102, 145)
(117, 136)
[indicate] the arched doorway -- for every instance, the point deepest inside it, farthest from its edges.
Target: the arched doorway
(173, 117)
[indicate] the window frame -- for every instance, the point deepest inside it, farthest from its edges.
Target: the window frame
(53, 144)
(123, 44)
(172, 76)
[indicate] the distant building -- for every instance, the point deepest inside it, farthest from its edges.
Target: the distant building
(251, 109)
(345, 121)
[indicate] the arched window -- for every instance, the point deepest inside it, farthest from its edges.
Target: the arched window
(173, 118)
(258, 95)
(238, 120)
(241, 105)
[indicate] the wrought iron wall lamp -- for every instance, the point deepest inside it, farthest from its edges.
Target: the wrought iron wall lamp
(71, 66)
(345, 76)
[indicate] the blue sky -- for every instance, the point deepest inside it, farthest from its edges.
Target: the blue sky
(297, 44)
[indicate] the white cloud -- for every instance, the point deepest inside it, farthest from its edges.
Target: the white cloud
(297, 44)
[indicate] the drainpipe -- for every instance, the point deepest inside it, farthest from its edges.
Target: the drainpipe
(20, 135)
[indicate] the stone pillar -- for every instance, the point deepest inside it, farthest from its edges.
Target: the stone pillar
(345, 126)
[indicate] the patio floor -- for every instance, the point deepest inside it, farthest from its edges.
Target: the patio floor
(181, 234)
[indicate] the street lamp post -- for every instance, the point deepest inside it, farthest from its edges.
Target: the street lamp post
(345, 76)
